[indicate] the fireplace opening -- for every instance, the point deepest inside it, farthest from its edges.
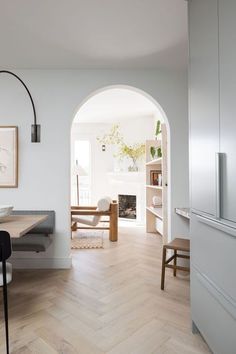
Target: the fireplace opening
(127, 206)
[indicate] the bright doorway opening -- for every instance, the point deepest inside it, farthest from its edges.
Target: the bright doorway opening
(120, 149)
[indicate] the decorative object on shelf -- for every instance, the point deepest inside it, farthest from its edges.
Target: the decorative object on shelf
(159, 152)
(154, 177)
(134, 152)
(8, 157)
(35, 128)
(159, 179)
(153, 151)
(156, 201)
(158, 129)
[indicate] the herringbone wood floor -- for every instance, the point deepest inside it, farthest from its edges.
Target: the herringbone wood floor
(109, 302)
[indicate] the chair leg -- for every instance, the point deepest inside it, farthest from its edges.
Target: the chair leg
(113, 232)
(163, 268)
(74, 226)
(4, 272)
(175, 263)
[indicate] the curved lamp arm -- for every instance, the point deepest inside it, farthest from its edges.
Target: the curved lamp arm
(35, 128)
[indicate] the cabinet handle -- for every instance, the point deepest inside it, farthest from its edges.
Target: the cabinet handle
(218, 185)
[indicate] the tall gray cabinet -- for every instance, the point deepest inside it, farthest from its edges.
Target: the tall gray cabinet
(212, 109)
(227, 61)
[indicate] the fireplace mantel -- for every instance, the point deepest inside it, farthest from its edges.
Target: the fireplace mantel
(129, 176)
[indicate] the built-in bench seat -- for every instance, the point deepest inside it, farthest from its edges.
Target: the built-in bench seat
(38, 239)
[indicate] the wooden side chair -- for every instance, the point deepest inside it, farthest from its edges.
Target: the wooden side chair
(5, 275)
(90, 217)
(178, 244)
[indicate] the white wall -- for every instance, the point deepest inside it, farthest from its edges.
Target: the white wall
(44, 173)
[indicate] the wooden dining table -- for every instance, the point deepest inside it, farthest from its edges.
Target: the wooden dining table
(18, 225)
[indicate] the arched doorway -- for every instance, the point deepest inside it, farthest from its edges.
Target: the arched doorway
(119, 112)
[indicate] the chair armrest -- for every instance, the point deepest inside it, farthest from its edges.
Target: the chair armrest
(90, 212)
(83, 207)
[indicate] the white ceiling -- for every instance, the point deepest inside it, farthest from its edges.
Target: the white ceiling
(62, 34)
(115, 105)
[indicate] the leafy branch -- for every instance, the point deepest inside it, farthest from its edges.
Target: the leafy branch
(134, 152)
(158, 128)
(114, 137)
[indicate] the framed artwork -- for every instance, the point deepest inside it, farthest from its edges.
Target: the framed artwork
(8, 157)
(155, 177)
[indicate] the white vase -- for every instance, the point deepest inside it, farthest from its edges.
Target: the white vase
(156, 201)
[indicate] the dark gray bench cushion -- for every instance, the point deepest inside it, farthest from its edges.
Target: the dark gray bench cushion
(37, 240)
(31, 243)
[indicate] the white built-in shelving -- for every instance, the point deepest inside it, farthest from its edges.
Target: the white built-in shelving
(156, 216)
(157, 161)
(158, 212)
(153, 187)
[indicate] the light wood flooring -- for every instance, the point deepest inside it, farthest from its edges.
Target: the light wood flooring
(109, 302)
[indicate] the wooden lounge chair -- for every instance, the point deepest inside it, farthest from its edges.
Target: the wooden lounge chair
(90, 217)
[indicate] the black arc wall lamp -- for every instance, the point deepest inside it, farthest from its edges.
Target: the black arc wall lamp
(35, 128)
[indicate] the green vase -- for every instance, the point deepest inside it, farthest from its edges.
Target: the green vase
(159, 152)
(153, 151)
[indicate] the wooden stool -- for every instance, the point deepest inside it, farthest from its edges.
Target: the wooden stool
(178, 244)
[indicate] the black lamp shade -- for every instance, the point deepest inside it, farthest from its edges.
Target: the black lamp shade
(35, 133)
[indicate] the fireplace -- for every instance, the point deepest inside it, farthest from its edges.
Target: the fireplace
(131, 184)
(127, 206)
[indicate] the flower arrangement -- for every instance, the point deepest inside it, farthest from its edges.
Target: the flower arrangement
(134, 152)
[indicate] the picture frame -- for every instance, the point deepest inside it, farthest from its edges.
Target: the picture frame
(8, 156)
(154, 177)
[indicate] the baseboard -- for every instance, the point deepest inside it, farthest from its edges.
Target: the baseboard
(41, 263)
